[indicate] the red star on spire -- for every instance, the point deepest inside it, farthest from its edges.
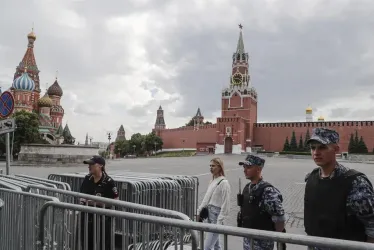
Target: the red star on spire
(240, 26)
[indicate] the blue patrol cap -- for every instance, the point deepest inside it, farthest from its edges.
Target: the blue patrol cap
(252, 160)
(324, 136)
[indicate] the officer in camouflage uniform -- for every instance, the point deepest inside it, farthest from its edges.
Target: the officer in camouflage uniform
(260, 204)
(338, 202)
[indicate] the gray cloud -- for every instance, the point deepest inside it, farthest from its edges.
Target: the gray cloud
(179, 55)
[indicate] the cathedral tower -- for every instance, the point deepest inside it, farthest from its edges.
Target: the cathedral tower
(29, 63)
(57, 112)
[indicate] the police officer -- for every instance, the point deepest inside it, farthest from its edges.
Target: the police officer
(260, 204)
(97, 183)
(338, 202)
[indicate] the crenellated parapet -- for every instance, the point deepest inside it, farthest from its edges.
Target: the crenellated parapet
(208, 126)
(316, 124)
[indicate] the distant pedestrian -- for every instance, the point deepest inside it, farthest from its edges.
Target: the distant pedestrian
(260, 204)
(338, 202)
(215, 206)
(97, 183)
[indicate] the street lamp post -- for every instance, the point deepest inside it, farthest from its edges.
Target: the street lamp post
(109, 138)
(155, 148)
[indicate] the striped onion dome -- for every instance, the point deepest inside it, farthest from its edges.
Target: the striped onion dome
(45, 101)
(24, 82)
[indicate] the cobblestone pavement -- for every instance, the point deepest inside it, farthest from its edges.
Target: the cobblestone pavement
(286, 174)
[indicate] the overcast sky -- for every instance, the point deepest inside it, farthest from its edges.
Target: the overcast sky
(119, 60)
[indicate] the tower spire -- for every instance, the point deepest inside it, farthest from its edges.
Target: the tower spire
(240, 47)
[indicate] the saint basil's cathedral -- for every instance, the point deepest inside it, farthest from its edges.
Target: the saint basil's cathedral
(26, 93)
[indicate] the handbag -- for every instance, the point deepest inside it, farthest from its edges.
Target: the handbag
(204, 212)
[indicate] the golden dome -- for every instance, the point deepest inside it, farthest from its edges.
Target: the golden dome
(45, 101)
(31, 35)
(321, 118)
(309, 109)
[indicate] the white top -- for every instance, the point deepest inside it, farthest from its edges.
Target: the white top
(219, 196)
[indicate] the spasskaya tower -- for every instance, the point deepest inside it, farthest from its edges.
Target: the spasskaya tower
(239, 106)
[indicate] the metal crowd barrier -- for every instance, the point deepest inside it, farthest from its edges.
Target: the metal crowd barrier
(202, 227)
(19, 219)
(174, 192)
(133, 232)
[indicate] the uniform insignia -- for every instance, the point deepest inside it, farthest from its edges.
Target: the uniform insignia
(115, 189)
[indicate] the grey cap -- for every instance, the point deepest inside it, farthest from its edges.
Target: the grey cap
(324, 136)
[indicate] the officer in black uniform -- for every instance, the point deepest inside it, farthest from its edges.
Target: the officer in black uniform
(97, 183)
(338, 201)
(260, 205)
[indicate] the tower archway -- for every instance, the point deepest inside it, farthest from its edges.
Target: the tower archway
(228, 145)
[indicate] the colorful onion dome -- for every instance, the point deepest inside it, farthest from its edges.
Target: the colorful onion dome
(45, 101)
(24, 82)
(55, 89)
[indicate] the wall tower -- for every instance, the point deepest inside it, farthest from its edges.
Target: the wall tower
(198, 120)
(239, 104)
(121, 134)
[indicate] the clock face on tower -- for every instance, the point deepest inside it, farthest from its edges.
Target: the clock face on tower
(237, 79)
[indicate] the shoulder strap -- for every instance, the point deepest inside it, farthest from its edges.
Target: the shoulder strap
(314, 171)
(215, 189)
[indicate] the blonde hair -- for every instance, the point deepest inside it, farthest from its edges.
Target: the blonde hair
(219, 163)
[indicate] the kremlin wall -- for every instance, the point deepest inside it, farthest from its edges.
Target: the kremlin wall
(237, 130)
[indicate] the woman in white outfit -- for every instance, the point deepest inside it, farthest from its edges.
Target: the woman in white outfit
(217, 201)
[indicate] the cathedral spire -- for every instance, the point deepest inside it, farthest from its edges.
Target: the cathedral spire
(29, 62)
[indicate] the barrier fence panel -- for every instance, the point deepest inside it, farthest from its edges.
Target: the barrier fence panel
(179, 226)
(19, 217)
(174, 192)
(133, 232)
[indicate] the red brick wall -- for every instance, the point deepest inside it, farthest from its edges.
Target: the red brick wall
(173, 138)
(272, 135)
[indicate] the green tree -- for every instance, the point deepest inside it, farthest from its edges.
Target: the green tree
(135, 144)
(361, 146)
(27, 130)
(121, 147)
(293, 143)
(351, 145)
(152, 142)
(286, 146)
(301, 144)
(307, 137)
(356, 139)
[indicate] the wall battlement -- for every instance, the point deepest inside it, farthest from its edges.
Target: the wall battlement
(230, 119)
(316, 124)
(209, 126)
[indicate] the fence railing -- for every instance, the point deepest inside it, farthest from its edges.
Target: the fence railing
(19, 218)
(202, 227)
(132, 231)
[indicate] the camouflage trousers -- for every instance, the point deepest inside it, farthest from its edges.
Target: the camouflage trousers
(258, 244)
